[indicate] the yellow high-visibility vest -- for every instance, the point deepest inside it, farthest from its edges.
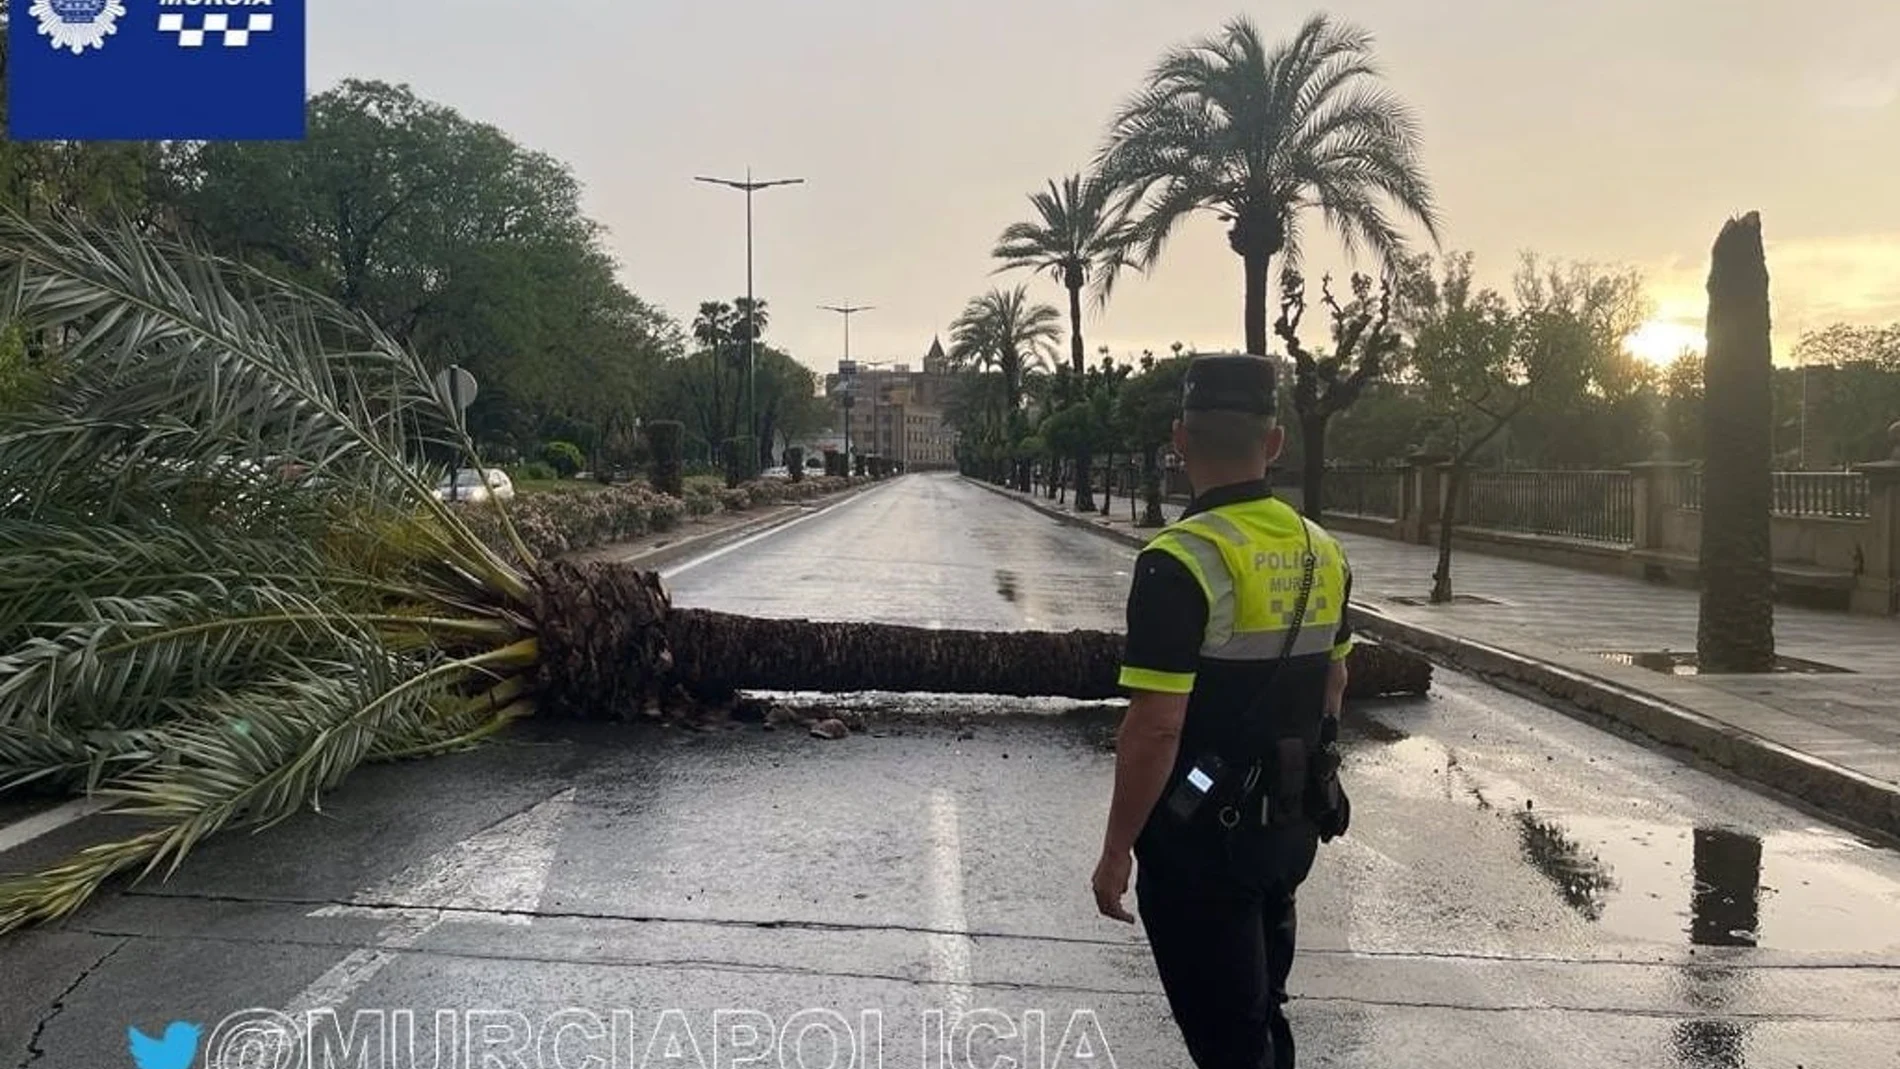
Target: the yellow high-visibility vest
(1249, 559)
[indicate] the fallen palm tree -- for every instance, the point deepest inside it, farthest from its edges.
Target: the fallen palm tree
(225, 581)
(660, 654)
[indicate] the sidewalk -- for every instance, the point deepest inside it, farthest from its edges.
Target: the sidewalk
(1830, 740)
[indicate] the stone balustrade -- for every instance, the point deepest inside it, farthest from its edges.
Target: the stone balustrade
(1835, 536)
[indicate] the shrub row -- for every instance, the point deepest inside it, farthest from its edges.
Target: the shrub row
(553, 524)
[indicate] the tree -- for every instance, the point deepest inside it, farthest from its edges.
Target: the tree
(1474, 371)
(458, 242)
(1103, 389)
(789, 405)
(1002, 332)
(1080, 238)
(1145, 410)
(1600, 409)
(1259, 136)
(215, 644)
(1847, 383)
(1327, 384)
(1736, 628)
(1682, 406)
(1844, 343)
(1483, 362)
(1387, 424)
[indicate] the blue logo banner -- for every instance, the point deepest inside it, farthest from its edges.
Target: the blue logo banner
(156, 70)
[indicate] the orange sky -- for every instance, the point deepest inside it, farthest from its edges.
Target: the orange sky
(1618, 131)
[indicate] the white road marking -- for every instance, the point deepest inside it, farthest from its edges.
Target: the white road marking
(694, 562)
(503, 868)
(346, 977)
(950, 943)
(21, 832)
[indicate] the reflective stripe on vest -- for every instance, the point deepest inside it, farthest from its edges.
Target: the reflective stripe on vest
(1249, 559)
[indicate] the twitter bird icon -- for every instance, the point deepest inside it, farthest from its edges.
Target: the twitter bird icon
(177, 1050)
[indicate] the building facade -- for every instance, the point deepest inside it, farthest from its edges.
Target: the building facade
(892, 410)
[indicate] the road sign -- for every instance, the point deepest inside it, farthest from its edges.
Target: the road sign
(456, 386)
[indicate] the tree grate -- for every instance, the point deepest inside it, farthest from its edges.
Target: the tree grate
(1683, 663)
(1456, 599)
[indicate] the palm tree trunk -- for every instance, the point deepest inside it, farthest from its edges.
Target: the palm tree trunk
(1084, 501)
(1736, 632)
(612, 647)
(1255, 311)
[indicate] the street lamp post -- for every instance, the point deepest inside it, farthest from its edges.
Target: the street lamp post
(847, 310)
(749, 187)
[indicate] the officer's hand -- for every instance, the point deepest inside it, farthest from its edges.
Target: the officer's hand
(1111, 883)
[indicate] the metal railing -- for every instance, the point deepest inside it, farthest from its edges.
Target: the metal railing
(1364, 491)
(1840, 495)
(1594, 506)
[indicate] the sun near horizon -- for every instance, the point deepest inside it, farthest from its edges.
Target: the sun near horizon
(1661, 341)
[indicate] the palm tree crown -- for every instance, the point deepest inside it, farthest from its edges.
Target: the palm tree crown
(1258, 135)
(1080, 236)
(1003, 331)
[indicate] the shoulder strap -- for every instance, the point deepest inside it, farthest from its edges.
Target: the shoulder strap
(1243, 730)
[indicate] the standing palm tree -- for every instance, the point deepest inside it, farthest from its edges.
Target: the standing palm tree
(1079, 238)
(1258, 136)
(1002, 331)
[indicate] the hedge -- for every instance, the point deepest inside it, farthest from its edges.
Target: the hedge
(553, 524)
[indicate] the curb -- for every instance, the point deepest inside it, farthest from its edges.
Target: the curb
(1813, 783)
(1063, 516)
(1832, 790)
(693, 545)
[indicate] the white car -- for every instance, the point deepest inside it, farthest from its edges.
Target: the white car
(779, 472)
(469, 485)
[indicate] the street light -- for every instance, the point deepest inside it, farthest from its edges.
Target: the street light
(847, 310)
(748, 187)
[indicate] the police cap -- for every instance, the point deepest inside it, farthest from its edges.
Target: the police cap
(1231, 382)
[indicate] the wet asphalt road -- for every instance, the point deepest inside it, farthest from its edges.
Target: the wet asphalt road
(1518, 888)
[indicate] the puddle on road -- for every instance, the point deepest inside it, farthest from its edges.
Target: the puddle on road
(1581, 878)
(1811, 889)
(1794, 890)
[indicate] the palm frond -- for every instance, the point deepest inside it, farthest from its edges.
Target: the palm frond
(224, 578)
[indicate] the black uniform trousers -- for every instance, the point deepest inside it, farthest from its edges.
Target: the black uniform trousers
(1219, 909)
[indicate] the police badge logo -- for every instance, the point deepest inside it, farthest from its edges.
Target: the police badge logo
(78, 24)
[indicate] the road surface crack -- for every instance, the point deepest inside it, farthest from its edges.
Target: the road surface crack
(34, 1052)
(365, 907)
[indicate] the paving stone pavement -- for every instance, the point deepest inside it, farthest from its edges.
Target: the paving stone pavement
(1851, 718)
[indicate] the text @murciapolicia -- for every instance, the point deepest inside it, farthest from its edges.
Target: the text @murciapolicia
(578, 1038)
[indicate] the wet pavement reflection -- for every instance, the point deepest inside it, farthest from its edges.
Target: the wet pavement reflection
(1582, 879)
(1724, 911)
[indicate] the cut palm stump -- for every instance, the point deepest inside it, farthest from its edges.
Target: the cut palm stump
(612, 645)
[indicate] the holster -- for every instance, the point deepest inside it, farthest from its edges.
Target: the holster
(1326, 803)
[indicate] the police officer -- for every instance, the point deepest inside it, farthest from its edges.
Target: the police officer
(1235, 662)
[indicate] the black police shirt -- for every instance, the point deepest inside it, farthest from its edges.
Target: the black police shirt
(1167, 623)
